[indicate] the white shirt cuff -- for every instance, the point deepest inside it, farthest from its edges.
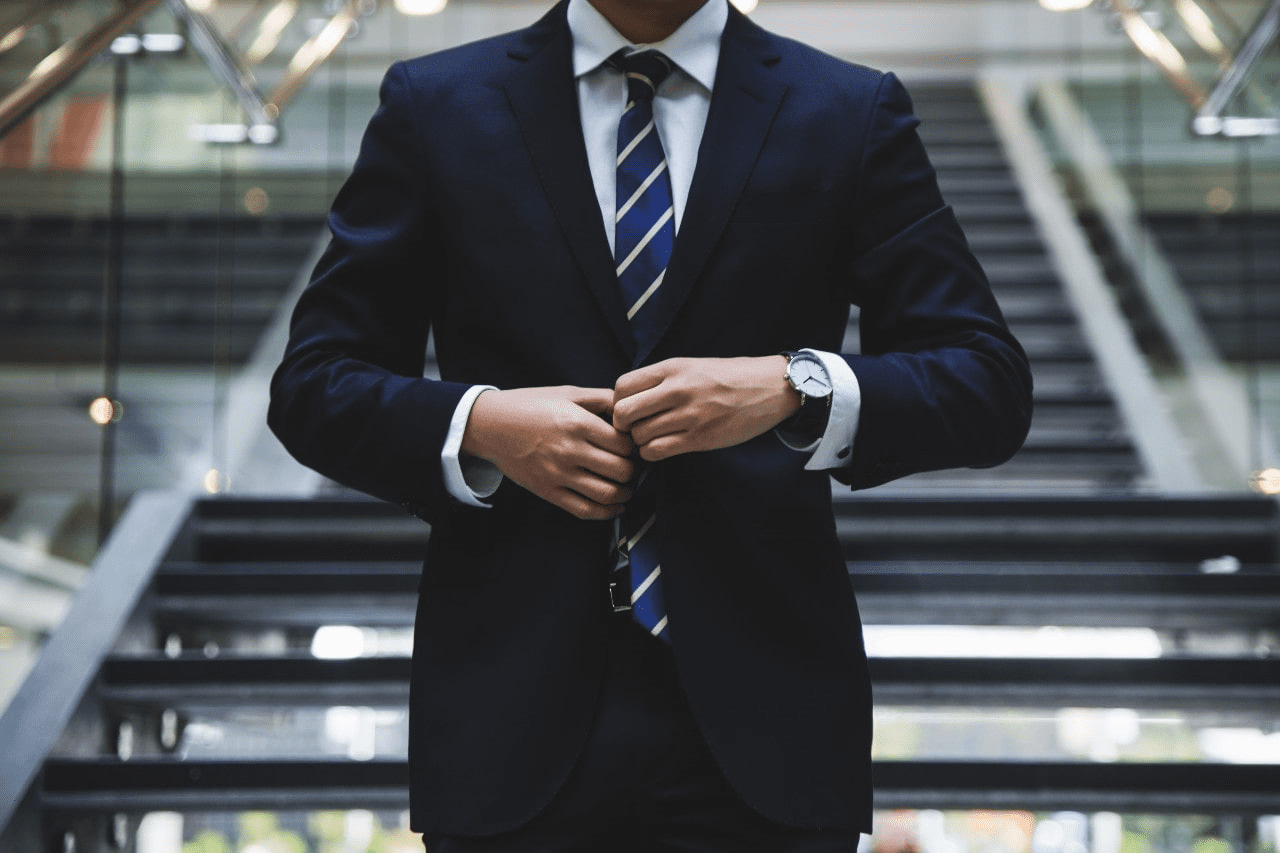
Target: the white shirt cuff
(835, 448)
(468, 480)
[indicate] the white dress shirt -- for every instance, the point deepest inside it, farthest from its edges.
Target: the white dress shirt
(680, 112)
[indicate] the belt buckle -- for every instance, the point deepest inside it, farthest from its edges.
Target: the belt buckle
(619, 578)
(619, 596)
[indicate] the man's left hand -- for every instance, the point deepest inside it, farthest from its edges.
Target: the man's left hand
(683, 405)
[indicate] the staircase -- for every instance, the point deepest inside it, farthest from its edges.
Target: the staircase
(233, 655)
(223, 690)
(1230, 267)
(195, 289)
(1078, 443)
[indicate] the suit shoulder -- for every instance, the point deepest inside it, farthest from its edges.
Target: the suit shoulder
(471, 61)
(823, 80)
(820, 67)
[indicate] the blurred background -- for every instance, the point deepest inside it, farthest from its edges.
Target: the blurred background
(204, 647)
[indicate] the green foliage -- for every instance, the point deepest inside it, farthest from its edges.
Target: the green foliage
(207, 842)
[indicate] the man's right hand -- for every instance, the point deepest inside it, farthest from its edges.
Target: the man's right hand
(558, 443)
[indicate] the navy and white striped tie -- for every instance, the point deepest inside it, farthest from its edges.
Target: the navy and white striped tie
(644, 233)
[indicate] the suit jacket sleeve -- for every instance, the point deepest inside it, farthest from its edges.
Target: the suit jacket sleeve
(943, 381)
(349, 398)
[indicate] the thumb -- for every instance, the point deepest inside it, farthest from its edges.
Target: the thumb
(598, 401)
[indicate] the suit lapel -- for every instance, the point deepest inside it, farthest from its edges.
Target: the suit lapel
(746, 99)
(544, 97)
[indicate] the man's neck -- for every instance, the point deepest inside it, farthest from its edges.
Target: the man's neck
(647, 21)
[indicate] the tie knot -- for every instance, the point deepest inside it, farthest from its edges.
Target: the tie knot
(645, 71)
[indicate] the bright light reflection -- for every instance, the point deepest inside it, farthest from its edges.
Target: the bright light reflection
(1064, 5)
(270, 30)
(933, 641)
(15, 36)
(1267, 481)
(746, 7)
(1240, 745)
(337, 642)
(1154, 44)
(214, 481)
(103, 411)
(325, 43)
(356, 729)
(1198, 24)
(50, 62)
(420, 7)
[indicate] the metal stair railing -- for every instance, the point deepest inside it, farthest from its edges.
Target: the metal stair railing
(164, 631)
(60, 67)
(1220, 393)
(1078, 441)
(43, 708)
(229, 67)
(1209, 104)
(1147, 417)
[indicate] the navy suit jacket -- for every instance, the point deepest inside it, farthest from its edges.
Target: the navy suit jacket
(470, 213)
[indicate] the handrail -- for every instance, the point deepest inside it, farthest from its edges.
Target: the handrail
(1218, 391)
(263, 114)
(226, 66)
(1160, 444)
(1209, 120)
(14, 26)
(1208, 105)
(1155, 46)
(41, 709)
(59, 67)
(314, 53)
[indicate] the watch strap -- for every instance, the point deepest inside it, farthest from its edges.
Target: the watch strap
(809, 423)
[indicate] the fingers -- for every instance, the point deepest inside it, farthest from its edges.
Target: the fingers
(599, 491)
(597, 431)
(630, 384)
(605, 437)
(598, 401)
(580, 507)
(666, 446)
(644, 393)
(605, 464)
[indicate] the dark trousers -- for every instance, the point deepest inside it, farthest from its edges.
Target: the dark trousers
(646, 782)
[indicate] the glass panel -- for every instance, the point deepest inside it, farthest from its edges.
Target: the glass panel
(1212, 204)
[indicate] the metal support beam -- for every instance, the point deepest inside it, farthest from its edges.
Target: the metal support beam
(1209, 120)
(15, 23)
(35, 718)
(1156, 47)
(314, 53)
(60, 67)
(227, 67)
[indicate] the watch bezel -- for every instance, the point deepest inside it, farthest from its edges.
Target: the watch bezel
(792, 357)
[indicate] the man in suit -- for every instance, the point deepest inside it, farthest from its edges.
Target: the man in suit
(695, 681)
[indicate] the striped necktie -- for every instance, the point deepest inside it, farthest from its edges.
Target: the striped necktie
(643, 236)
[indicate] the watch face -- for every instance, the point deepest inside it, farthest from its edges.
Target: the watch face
(809, 377)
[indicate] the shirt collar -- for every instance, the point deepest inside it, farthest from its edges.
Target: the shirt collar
(694, 47)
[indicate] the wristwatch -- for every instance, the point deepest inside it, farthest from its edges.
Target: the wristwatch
(808, 375)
